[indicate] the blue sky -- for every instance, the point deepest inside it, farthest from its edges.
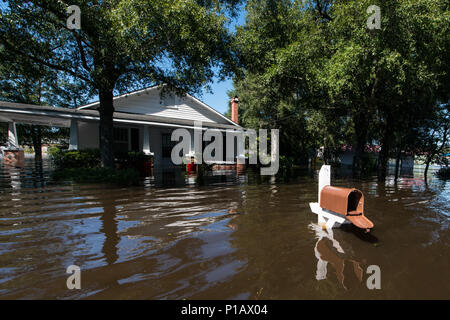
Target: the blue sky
(218, 99)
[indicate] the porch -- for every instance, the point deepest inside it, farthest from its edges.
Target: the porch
(132, 132)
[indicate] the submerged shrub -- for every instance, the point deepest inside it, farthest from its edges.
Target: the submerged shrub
(96, 175)
(76, 158)
(85, 166)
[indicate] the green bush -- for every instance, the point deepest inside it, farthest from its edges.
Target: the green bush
(76, 158)
(53, 150)
(96, 175)
(85, 166)
(443, 173)
(28, 150)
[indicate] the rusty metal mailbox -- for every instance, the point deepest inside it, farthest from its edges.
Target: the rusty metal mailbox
(348, 202)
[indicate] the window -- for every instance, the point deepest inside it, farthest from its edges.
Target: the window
(134, 139)
(120, 137)
(167, 145)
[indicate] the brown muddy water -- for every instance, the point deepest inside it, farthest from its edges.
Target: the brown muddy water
(227, 238)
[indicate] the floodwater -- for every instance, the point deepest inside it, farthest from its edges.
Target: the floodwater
(225, 238)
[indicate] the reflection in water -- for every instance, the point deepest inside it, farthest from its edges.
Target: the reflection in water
(326, 254)
(109, 228)
(228, 237)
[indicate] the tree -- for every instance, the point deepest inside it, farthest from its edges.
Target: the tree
(379, 75)
(25, 82)
(433, 137)
(269, 26)
(122, 44)
(371, 81)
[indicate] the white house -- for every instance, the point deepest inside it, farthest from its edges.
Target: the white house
(143, 121)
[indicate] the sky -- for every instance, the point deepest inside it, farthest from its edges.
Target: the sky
(218, 99)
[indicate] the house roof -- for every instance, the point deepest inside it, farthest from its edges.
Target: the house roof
(96, 104)
(55, 116)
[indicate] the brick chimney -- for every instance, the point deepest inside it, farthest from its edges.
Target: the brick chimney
(235, 109)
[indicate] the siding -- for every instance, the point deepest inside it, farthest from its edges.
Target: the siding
(152, 104)
(88, 135)
(346, 158)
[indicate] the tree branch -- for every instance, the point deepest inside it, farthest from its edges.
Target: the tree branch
(60, 20)
(82, 54)
(322, 11)
(43, 62)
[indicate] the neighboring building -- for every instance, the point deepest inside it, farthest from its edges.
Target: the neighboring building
(347, 156)
(143, 121)
(347, 153)
(407, 161)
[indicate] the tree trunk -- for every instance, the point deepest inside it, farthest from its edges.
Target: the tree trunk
(427, 165)
(361, 139)
(382, 164)
(106, 111)
(383, 156)
(435, 152)
(325, 155)
(36, 136)
(359, 156)
(397, 164)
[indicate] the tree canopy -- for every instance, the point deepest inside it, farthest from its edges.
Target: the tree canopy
(311, 68)
(314, 69)
(121, 45)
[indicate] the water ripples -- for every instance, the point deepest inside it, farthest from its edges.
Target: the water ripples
(227, 238)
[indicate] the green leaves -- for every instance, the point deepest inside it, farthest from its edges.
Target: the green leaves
(121, 42)
(349, 84)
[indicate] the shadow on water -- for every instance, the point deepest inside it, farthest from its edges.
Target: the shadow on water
(360, 233)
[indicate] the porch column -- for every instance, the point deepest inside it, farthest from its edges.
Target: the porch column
(13, 141)
(192, 148)
(146, 141)
(13, 155)
(73, 143)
